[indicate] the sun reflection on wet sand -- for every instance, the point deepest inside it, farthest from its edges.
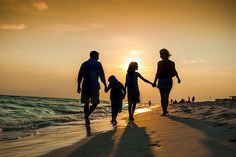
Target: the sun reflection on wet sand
(141, 110)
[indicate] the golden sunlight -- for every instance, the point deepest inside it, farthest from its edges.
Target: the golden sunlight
(133, 56)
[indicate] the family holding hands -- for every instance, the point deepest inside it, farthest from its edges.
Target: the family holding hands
(92, 69)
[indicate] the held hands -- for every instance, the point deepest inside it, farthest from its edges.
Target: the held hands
(179, 81)
(153, 84)
(106, 89)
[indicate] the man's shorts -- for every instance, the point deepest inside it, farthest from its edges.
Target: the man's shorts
(90, 96)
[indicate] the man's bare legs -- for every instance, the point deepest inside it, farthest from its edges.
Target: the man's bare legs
(88, 111)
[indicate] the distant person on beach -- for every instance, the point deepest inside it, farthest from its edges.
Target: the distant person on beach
(149, 103)
(193, 99)
(132, 88)
(89, 72)
(117, 94)
(165, 71)
(182, 101)
(189, 101)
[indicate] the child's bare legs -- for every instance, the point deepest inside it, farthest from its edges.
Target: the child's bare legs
(131, 111)
(114, 122)
(114, 112)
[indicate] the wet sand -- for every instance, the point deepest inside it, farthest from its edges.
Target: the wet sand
(51, 138)
(179, 134)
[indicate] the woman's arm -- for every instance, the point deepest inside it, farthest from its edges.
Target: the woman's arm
(176, 74)
(142, 78)
(157, 75)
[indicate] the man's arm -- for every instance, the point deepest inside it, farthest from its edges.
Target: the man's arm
(79, 79)
(102, 76)
(108, 88)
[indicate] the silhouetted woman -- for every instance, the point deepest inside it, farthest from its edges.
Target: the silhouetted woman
(132, 87)
(165, 71)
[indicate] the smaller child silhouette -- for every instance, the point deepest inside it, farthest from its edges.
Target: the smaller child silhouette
(117, 94)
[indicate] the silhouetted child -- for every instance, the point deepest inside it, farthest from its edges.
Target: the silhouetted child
(132, 87)
(193, 99)
(117, 94)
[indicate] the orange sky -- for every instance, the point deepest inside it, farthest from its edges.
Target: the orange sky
(43, 43)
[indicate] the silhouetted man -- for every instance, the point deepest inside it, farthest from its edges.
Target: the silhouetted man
(89, 72)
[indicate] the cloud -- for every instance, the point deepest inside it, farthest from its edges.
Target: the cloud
(194, 61)
(61, 28)
(40, 5)
(13, 26)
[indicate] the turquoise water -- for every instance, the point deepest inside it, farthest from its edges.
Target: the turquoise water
(22, 115)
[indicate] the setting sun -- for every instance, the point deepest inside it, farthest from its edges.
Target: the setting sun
(132, 56)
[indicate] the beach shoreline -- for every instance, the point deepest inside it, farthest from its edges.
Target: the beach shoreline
(153, 135)
(50, 138)
(44, 140)
(192, 130)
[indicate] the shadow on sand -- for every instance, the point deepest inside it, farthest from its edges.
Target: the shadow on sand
(218, 141)
(120, 142)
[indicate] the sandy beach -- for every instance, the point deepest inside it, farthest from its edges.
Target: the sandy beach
(186, 132)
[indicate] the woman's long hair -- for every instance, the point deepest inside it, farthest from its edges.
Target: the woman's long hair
(132, 67)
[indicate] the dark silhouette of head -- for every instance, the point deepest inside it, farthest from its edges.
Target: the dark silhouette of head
(164, 54)
(112, 78)
(132, 67)
(94, 54)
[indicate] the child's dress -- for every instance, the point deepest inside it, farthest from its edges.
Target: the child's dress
(132, 87)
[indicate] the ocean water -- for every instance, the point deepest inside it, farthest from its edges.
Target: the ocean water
(21, 116)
